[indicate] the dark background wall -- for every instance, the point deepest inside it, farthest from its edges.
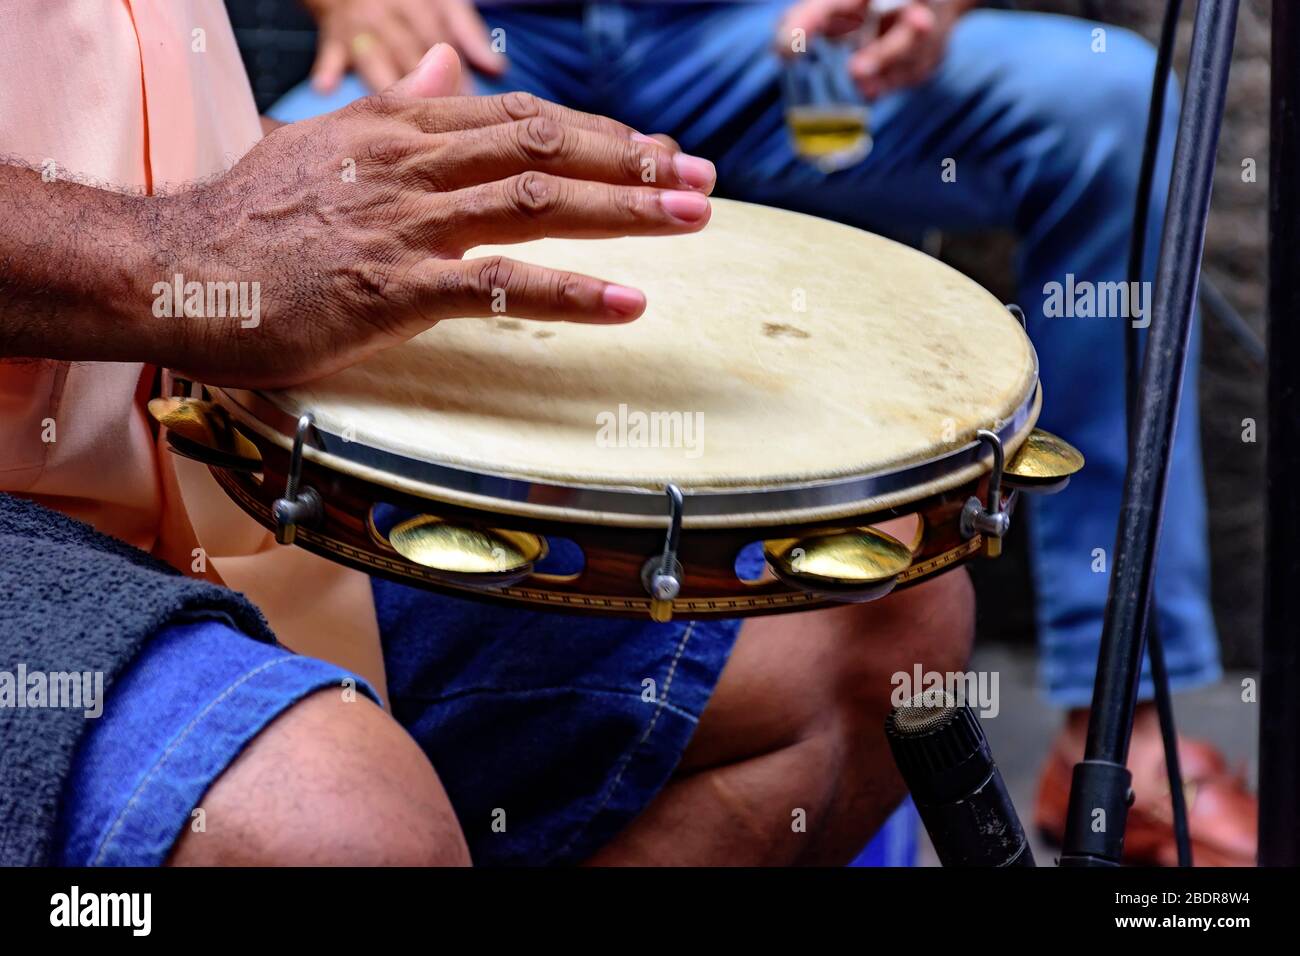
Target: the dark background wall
(277, 40)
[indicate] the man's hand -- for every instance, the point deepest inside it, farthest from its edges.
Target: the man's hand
(384, 39)
(352, 226)
(906, 52)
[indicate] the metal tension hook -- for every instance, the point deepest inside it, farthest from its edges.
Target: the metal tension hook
(662, 575)
(991, 521)
(299, 506)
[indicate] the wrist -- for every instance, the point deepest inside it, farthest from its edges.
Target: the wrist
(139, 285)
(196, 278)
(144, 284)
(85, 292)
(80, 293)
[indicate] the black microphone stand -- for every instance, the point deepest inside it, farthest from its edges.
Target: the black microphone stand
(1100, 792)
(1132, 347)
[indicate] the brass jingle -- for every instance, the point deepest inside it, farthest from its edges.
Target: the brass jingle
(202, 430)
(857, 559)
(1044, 459)
(479, 556)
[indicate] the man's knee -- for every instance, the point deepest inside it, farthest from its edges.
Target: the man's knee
(941, 613)
(1120, 83)
(328, 782)
(793, 677)
(1090, 89)
(930, 627)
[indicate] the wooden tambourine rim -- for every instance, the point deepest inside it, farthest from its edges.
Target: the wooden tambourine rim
(609, 583)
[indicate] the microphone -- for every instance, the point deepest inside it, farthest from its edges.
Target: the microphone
(941, 751)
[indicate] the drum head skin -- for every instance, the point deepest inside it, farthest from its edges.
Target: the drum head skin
(777, 349)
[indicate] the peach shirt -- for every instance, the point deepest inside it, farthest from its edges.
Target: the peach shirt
(141, 95)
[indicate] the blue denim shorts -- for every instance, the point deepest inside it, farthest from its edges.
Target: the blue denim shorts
(550, 732)
(181, 713)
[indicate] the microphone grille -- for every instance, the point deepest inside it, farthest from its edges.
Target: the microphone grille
(924, 713)
(932, 733)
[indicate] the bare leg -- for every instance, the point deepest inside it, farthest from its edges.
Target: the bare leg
(327, 783)
(795, 729)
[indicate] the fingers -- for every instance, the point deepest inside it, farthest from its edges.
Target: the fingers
(468, 31)
(818, 17)
(451, 114)
(406, 47)
(331, 61)
(374, 62)
(508, 149)
(663, 139)
(495, 285)
(533, 205)
(437, 74)
(899, 56)
(426, 22)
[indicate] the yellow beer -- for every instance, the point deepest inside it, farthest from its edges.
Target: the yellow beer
(829, 131)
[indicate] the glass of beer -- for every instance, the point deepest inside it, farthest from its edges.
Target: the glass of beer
(828, 118)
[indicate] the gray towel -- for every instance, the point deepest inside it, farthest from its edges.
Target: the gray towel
(73, 600)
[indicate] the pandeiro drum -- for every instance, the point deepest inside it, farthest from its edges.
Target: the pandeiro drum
(794, 386)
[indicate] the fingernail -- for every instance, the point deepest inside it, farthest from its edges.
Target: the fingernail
(688, 207)
(428, 54)
(695, 170)
(624, 301)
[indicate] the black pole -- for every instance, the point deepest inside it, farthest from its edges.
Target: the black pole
(1146, 178)
(1136, 273)
(1279, 701)
(1094, 831)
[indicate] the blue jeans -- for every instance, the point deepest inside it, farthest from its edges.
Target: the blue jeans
(190, 702)
(549, 736)
(197, 694)
(1046, 135)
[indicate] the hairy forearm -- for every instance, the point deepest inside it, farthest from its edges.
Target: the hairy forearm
(76, 268)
